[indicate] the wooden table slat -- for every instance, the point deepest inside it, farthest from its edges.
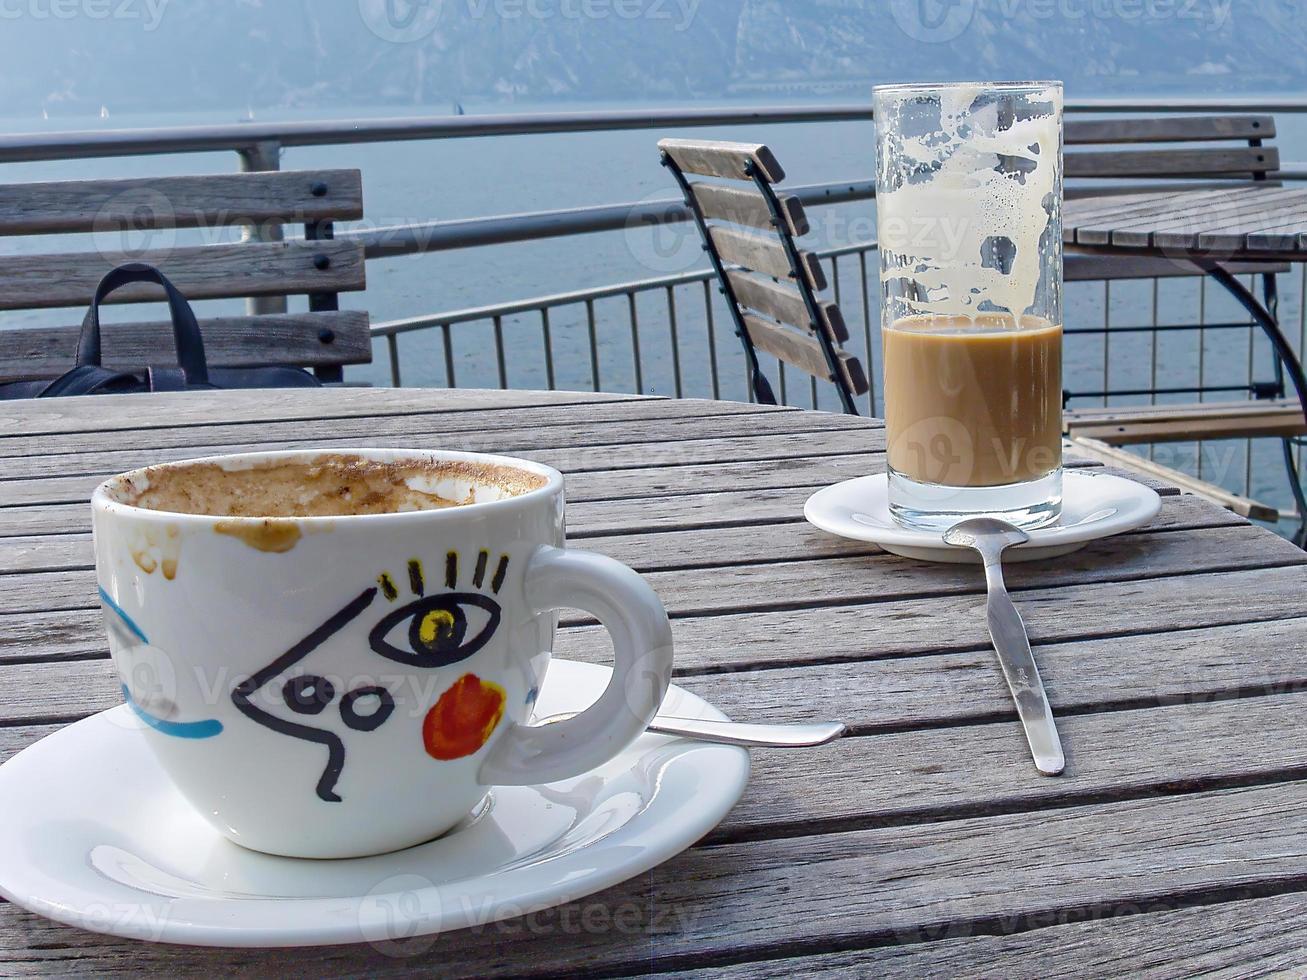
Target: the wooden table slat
(406, 415)
(597, 444)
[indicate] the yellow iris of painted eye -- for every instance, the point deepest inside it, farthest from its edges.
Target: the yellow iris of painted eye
(435, 624)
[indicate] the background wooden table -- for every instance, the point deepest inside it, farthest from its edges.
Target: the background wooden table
(1248, 222)
(924, 844)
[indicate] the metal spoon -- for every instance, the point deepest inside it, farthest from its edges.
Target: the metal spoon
(795, 736)
(989, 537)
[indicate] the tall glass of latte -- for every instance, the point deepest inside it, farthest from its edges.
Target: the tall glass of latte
(968, 197)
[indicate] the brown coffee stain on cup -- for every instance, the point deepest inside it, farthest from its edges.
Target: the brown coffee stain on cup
(268, 535)
(151, 550)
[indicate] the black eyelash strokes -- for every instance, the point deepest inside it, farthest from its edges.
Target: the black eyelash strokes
(417, 578)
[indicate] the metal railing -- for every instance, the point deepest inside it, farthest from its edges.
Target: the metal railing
(707, 319)
(246, 137)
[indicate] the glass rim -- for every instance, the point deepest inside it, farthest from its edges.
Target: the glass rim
(998, 86)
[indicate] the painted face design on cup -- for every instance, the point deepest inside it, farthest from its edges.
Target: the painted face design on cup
(337, 654)
(402, 619)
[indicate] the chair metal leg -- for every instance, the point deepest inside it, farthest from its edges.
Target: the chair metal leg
(1286, 361)
(1299, 498)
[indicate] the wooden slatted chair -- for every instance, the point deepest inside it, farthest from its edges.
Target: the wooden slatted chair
(1106, 159)
(324, 338)
(769, 281)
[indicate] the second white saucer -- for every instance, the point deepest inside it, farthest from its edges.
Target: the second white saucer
(1094, 505)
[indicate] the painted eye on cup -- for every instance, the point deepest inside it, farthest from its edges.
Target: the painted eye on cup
(436, 631)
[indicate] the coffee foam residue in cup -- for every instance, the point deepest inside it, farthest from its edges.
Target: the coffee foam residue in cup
(327, 485)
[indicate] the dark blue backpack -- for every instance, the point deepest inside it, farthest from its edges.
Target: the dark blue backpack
(89, 377)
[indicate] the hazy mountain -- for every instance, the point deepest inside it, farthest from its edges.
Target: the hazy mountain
(147, 55)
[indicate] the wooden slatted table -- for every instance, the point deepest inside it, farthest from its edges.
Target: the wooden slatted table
(1248, 222)
(922, 845)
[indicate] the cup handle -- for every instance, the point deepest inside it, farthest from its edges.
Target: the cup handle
(558, 578)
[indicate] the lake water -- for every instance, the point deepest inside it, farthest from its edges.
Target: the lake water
(467, 178)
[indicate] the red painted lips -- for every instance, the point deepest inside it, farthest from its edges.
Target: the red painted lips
(463, 719)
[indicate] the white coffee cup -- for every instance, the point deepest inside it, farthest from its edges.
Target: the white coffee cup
(342, 685)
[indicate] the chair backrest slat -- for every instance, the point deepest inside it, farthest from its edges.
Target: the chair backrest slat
(199, 271)
(1130, 188)
(213, 201)
(784, 303)
(1168, 129)
(803, 352)
(307, 339)
(764, 255)
(713, 158)
(747, 207)
(1212, 162)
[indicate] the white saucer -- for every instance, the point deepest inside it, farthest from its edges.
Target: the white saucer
(92, 834)
(1094, 505)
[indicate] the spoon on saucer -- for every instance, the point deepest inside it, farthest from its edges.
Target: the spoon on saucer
(789, 736)
(989, 537)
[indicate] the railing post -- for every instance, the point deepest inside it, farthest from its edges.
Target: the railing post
(392, 346)
(259, 157)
